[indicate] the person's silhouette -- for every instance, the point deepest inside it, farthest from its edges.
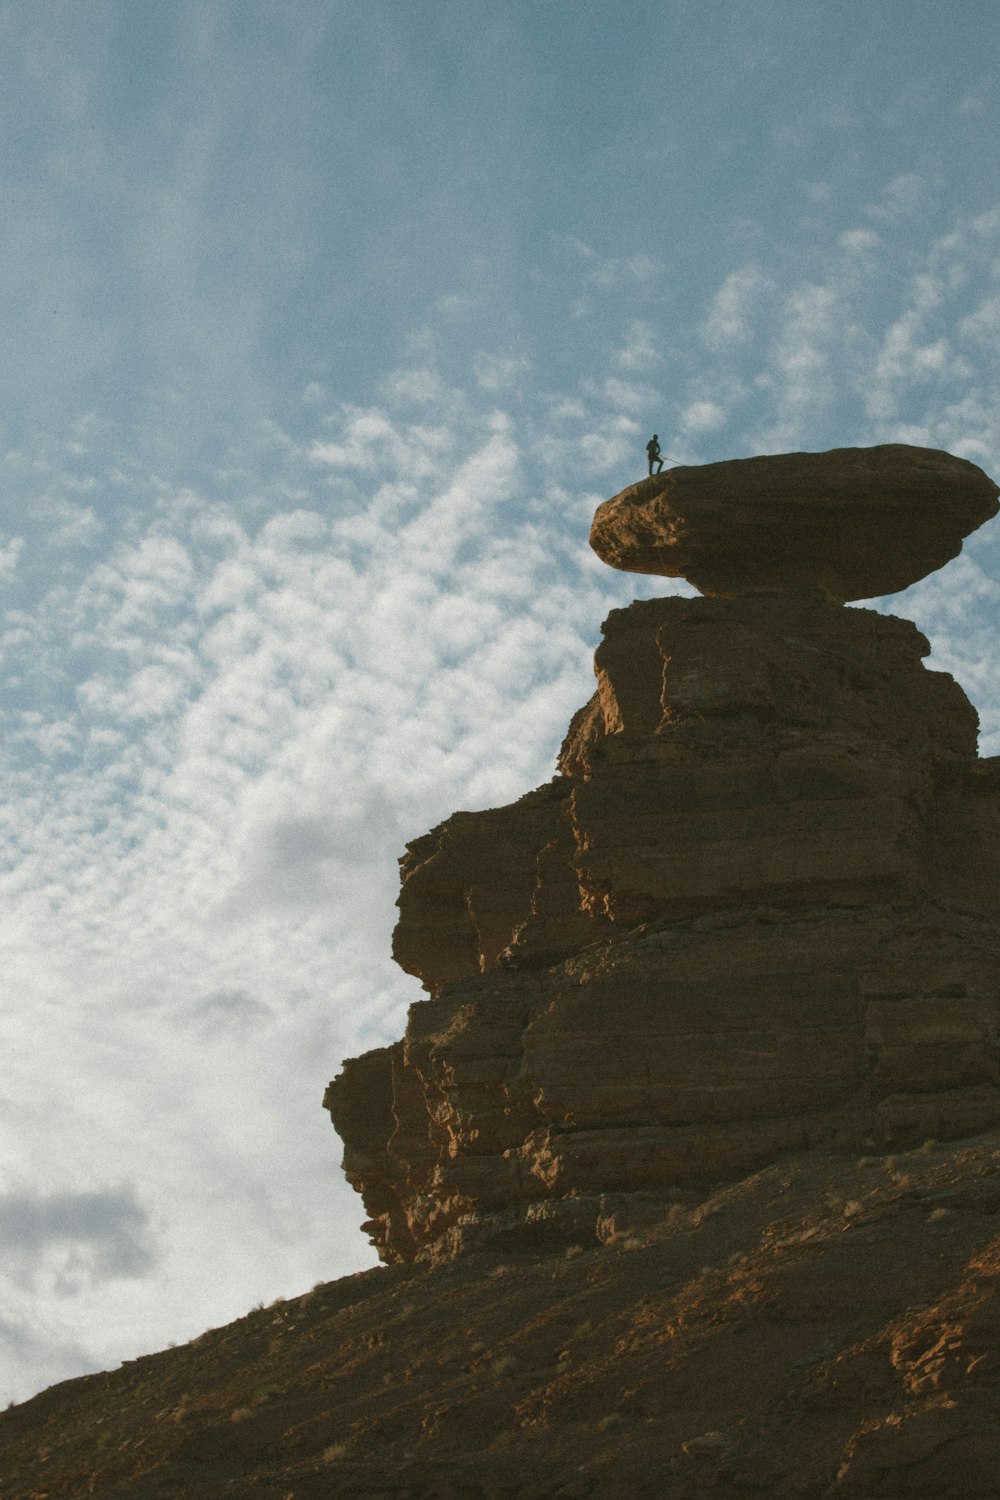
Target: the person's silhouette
(653, 453)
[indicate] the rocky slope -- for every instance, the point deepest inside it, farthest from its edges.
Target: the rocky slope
(825, 1328)
(686, 1172)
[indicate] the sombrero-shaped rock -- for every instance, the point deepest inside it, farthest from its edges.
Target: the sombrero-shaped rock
(857, 522)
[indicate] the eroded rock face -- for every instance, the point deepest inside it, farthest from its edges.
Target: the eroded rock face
(857, 522)
(757, 911)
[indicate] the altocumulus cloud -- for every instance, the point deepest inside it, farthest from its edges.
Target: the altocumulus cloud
(246, 707)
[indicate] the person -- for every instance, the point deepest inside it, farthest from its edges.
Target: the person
(653, 453)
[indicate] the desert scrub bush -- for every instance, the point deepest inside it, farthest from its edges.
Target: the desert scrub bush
(928, 1147)
(937, 1214)
(613, 1419)
(241, 1414)
(335, 1451)
(505, 1365)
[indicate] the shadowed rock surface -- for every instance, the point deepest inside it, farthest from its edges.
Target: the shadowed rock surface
(857, 522)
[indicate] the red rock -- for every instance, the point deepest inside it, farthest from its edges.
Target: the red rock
(757, 913)
(857, 522)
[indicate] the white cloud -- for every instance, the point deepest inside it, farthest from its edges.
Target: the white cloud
(498, 373)
(735, 309)
(905, 197)
(10, 551)
(859, 241)
(640, 352)
(702, 416)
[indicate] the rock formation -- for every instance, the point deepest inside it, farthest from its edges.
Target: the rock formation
(756, 911)
(858, 522)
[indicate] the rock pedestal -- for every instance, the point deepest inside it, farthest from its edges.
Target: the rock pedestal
(757, 911)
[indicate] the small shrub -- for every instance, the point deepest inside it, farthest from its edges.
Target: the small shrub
(505, 1365)
(572, 1250)
(241, 1414)
(937, 1214)
(335, 1451)
(852, 1208)
(928, 1147)
(613, 1419)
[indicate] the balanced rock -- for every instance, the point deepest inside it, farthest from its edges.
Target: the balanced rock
(856, 522)
(756, 912)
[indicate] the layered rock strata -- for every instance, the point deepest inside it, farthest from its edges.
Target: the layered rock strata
(757, 910)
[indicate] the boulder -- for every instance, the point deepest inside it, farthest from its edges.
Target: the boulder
(855, 522)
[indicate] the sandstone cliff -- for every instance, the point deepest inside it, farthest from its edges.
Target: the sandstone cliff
(755, 912)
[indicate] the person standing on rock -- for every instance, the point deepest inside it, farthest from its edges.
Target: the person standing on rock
(653, 453)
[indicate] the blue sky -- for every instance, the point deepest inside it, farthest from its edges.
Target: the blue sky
(327, 326)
